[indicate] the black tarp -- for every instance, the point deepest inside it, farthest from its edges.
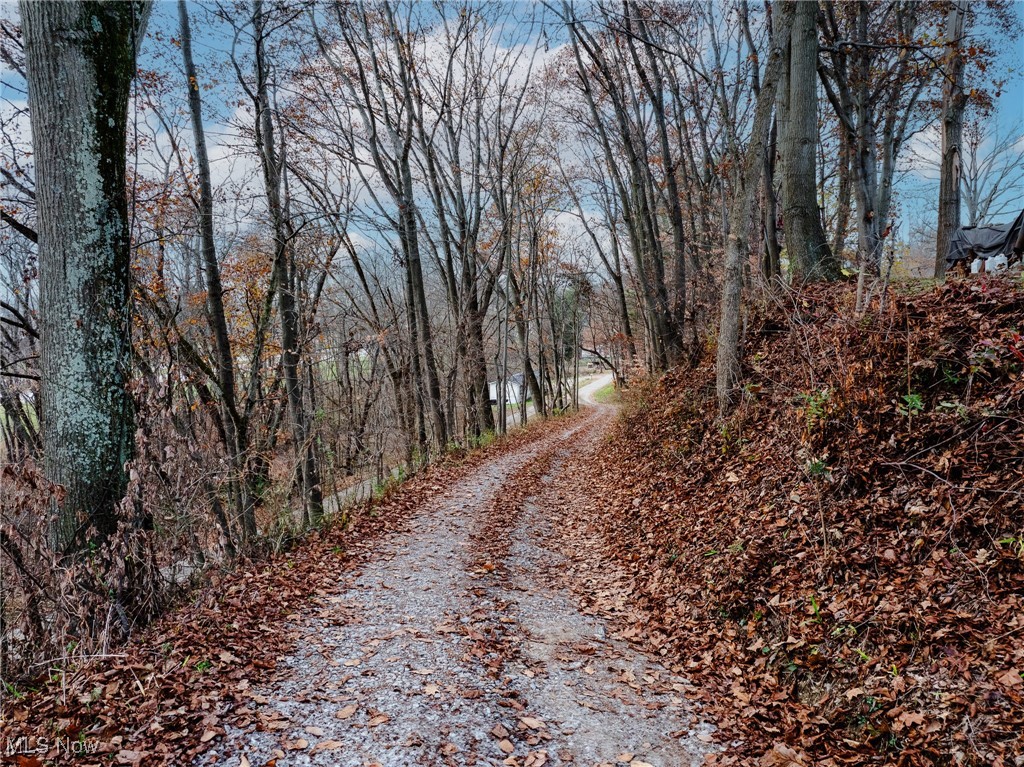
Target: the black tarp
(971, 242)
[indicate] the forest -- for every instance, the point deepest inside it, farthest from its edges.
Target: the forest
(374, 373)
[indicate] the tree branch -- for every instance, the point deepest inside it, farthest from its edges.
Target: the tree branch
(25, 231)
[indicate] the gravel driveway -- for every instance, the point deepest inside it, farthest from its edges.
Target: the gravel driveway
(459, 643)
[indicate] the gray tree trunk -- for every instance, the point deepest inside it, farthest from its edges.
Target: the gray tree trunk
(953, 103)
(80, 60)
(810, 258)
(727, 362)
(771, 268)
(843, 203)
(235, 427)
(634, 182)
(287, 280)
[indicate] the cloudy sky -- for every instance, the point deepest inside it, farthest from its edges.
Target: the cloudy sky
(212, 41)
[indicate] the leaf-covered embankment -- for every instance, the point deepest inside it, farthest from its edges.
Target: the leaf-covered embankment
(840, 565)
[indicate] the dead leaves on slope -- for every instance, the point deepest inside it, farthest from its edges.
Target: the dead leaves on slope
(835, 568)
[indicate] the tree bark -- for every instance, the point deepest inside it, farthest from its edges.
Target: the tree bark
(844, 197)
(80, 60)
(771, 267)
(953, 103)
(235, 428)
(727, 362)
(810, 258)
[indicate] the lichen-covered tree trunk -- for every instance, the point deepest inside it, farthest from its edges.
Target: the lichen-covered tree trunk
(80, 60)
(810, 258)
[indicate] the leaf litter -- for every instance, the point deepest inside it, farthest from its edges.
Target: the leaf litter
(839, 567)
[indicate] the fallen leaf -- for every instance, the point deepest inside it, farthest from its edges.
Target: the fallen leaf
(1010, 678)
(911, 717)
(327, 745)
(782, 755)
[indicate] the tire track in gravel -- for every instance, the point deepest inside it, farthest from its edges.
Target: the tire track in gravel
(454, 644)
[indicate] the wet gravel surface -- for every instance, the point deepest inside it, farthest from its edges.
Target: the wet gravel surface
(431, 654)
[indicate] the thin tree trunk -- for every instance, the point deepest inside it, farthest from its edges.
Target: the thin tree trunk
(953, 103)
(771, 260)
(844, 195)
(234, 426)
(287, 281)
(727, 363)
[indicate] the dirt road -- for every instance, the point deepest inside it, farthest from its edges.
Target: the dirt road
(461, 642)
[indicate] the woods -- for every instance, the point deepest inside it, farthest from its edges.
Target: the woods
(261, 261)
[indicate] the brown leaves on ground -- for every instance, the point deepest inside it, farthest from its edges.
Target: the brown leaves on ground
(163, 699)
(839, 567)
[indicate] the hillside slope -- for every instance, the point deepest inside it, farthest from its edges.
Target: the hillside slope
(839, 566)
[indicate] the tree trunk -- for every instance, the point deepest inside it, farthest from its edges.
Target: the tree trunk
(421, 316)
(771, 258)
(810, 258)
(953, 103)
(532, 382)
(286, 282)
(80, 60)
(844, 194)
(477, 366)
(235, 438)
(727, 362)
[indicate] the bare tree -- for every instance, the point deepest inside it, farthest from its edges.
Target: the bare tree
(609, 67)
(874, 90)
(991, 171)
(378, 80)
